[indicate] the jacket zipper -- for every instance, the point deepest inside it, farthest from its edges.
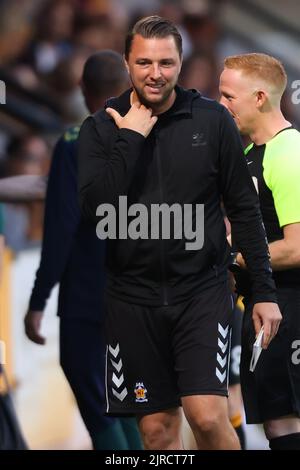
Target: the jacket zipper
(162, 242)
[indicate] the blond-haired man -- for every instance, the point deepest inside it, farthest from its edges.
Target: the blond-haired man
(251, 87)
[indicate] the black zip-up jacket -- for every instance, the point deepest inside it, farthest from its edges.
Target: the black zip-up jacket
(193, 155)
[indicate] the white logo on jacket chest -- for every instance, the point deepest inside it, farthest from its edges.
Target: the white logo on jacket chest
(198, 139)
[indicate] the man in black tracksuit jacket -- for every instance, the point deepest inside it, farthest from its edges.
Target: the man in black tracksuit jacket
(168, 307)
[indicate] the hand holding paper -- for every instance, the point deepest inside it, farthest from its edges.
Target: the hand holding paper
(257, 349)
(266, 314)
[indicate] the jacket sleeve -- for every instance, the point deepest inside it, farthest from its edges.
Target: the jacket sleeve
(61, 220)
(242, 207)
(105, 174)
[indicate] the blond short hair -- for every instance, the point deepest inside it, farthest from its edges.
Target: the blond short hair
(261, 66)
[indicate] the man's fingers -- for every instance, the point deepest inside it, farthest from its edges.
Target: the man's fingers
(267, 336)
(37, 339)
(33, 322)
(267, 331)
(270, 331)
(114, 114)
(267, 315)
(277, 328)
(34, 336)
(257, 325)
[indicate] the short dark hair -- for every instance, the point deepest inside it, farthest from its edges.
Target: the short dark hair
(104, 72)
(153, 27)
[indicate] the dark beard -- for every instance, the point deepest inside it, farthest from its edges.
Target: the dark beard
(148, 104)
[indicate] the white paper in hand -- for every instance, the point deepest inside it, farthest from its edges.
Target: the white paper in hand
(257, 349)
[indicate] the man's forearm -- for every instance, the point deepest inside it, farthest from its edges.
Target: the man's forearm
(283, 256)
(250, 239)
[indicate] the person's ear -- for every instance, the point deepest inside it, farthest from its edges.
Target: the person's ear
(181, 62)
(126, 63)
(261, 98)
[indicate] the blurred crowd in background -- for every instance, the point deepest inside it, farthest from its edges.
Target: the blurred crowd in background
(43, 46)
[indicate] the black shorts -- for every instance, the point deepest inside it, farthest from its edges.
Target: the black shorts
(156, 355)
(235, 352)
(273, 389)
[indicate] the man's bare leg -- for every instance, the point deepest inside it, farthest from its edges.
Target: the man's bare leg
(162, 431)
(208, 418)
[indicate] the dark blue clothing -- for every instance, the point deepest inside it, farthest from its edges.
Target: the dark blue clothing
(82, 358)
(1, 220)
(72, 255)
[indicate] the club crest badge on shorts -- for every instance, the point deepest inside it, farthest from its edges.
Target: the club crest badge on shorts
(140, 392)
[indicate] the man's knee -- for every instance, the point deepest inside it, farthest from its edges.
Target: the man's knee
(282, 426)
(208, 415)
(155, 435)
(209, 422)
(160, 430)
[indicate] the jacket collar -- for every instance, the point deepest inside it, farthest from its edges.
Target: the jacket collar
(182, 104)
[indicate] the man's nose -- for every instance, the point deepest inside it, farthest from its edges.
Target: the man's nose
(155, 71)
